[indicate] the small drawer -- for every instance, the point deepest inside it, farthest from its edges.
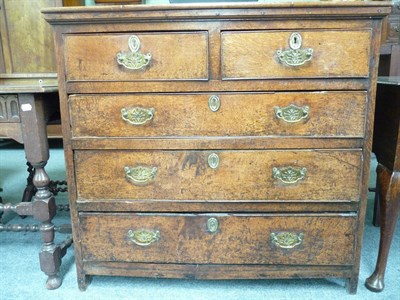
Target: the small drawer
(295, 54)
(218, 238)
(137, 56)
(320, 114)
(201, 176)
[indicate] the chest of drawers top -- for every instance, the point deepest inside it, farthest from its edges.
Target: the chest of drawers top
(216, 47)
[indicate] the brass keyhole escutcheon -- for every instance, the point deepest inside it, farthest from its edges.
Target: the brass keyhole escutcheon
(295, 41)
(213, 160)
(133, 59)
(212, 225)
(296, 55)
(214, 103)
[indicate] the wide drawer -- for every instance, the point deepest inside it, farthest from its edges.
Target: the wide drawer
(319, 114)
(137, 57)
(289, 54)
(218, 238)
(305, 175)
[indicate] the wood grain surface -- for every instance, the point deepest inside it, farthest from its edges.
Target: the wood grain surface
(186, 175)
(240, 239)
(175, 56)
(230, 51)
(247, 55)
(331, 114)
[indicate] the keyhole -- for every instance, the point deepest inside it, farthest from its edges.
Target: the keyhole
(295, 40)
(213, 160)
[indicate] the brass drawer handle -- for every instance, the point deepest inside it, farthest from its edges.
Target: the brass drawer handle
(133, 60)
(295, 56)
(289, 175)
(212, 225)
(137, 115)
(213, 160)
(214, 103)
(140, 175)
(286, 240)
(292, 113)
(143, 237)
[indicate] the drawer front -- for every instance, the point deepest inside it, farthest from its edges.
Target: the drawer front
(218, 239)
(307, 175)
(146, 56)
(321, 114)
(280, 54)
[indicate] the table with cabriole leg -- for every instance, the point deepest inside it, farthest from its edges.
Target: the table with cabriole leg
(386, 145)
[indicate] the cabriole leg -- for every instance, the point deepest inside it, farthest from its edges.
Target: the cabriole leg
(389, 206)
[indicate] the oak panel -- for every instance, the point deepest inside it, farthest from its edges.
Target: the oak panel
(239, 239)
(241, 175)
(94, 57)
(252, 54)
(243, 114)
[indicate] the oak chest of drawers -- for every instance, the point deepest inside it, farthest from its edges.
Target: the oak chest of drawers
(221, 141)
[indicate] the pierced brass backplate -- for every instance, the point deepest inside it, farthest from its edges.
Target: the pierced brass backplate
(133, 60)
(292, 113)
(289, 175)
(140, 175)
(143, 237)
(137, 115)
(286, 240)
(295, 56)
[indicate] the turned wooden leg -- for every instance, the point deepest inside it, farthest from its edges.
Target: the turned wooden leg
(30, 190)
(44, 210)
(389, 206)
(36, 147)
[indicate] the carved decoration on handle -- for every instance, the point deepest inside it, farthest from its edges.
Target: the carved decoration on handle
(143, 237)
(292, 113)
(295, 56)
(137, 115)
(286, 240)
(133, 60)
(140, 175)
(289, 175)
